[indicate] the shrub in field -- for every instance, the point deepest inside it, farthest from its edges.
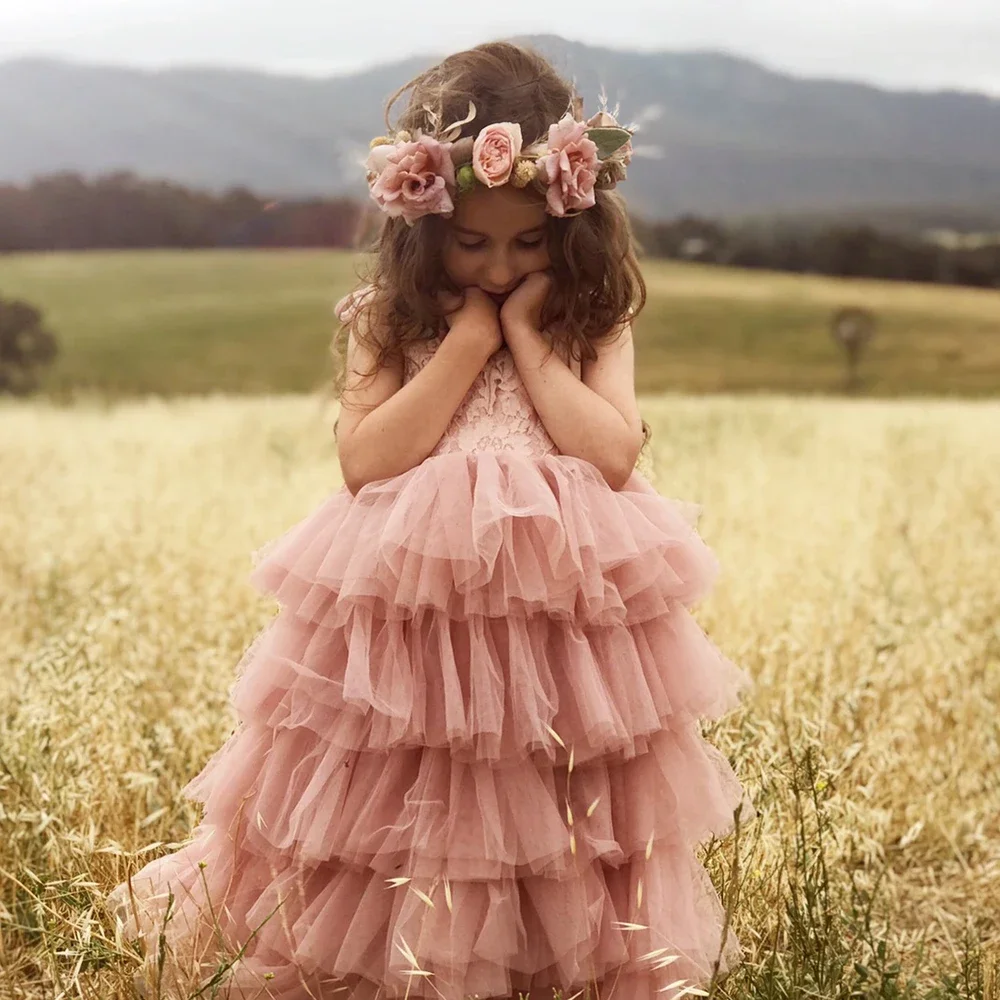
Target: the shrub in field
(25, 347)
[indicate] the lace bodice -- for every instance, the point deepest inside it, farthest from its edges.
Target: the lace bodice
(497, 413)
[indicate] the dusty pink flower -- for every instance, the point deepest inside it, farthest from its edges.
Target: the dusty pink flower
(570, 166)
(495, 150)
(413, 178)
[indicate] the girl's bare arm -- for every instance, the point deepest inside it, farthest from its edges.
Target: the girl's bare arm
(595, 417)
(387, 427)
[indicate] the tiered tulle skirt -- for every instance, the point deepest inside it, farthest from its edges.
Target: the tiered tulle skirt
(468, 759)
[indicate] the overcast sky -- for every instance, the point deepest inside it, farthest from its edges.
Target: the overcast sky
(898, 43)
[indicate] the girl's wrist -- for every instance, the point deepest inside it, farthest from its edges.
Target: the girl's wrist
(519, 330)
(477, 337)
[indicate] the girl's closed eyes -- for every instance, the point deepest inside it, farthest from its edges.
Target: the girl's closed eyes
(481, 245)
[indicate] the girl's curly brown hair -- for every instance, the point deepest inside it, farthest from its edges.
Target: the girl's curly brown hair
(598, 286)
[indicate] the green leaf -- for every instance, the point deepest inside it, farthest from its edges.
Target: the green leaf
(608, 139)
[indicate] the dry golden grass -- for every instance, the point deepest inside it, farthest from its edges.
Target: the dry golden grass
(860, 545)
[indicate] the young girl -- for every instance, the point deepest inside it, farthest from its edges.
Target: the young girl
(468, 760)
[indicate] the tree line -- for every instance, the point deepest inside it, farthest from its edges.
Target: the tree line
(850, 250)
(120, 211)
(66, 211)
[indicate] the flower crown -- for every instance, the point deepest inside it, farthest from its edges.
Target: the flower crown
(413, 175)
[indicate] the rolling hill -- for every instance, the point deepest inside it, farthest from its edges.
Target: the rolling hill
(732, 136)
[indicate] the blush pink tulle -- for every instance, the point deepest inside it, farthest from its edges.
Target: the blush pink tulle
(468, 759)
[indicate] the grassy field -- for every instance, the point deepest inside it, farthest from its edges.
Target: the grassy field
(859, 540)
(196, 322)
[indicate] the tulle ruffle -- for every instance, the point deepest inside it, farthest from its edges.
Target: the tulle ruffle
(494, 534)
(340, 931)
(419, 812)
(489, 689)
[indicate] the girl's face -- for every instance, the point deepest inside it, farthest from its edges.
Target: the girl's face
(496, 238)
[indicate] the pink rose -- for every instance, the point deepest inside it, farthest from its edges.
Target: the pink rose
(495, 150)
(413, 178)
(570, 167)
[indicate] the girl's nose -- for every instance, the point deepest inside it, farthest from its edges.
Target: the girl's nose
(500, 272)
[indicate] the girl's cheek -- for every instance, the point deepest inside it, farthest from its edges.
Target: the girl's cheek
(456, 267)
(542, 258)
(540, 263)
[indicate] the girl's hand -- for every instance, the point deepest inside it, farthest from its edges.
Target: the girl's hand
(473, 316)
(524, 305)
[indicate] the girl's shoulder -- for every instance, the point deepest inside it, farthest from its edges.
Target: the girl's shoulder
(412, 352)
(352, 303)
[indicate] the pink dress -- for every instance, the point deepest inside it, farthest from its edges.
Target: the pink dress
(468, 760)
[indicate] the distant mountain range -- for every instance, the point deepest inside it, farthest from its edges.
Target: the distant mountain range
(733, 137)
